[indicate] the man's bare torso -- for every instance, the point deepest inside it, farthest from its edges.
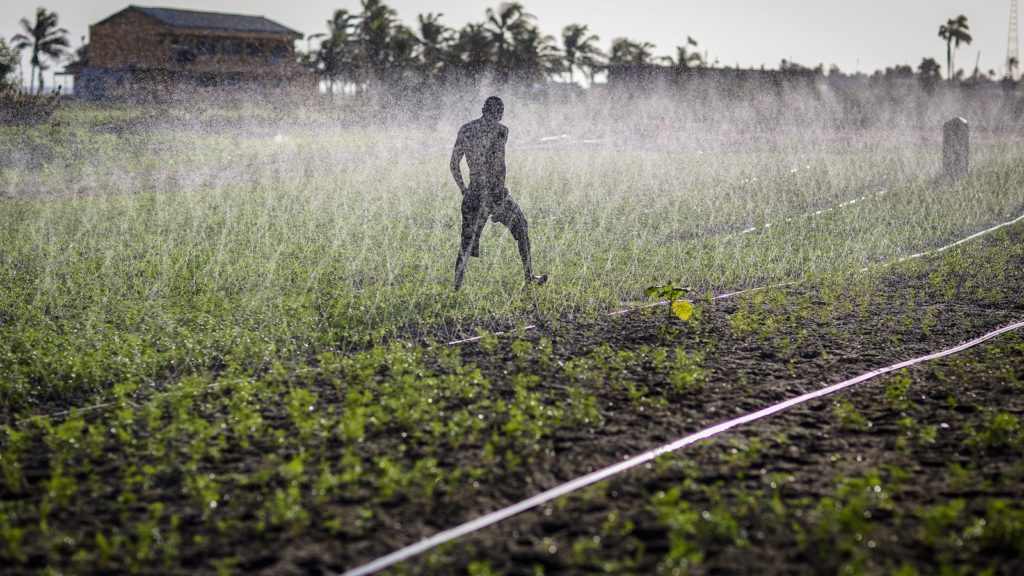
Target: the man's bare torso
(482, 142)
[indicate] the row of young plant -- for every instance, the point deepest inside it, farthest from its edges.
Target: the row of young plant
(955, 427)
(296, 259)
(903, 492)
(209, 469)
(381, 441)
(790, 329)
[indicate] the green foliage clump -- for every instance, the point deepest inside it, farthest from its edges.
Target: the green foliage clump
(849, 417)
(1001, 431)
(688, 373)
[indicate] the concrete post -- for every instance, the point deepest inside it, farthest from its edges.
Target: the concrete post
(956, 148)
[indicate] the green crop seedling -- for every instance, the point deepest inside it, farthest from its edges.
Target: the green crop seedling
(682, 309)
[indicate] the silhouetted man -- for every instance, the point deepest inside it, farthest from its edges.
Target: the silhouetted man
(482, 142)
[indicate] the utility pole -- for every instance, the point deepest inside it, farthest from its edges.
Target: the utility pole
(1012, 48)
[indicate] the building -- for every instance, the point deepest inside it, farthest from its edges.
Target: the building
(142, 51)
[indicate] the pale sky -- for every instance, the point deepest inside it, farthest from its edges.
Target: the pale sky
(864, 35)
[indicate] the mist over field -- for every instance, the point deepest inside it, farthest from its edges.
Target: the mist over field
(334, 224)
(780, 330)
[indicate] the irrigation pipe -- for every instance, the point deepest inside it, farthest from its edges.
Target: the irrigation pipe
(819, 212)
(491, 518)
(726, 295)
(532, 327)
(554, 143)
(962, 240)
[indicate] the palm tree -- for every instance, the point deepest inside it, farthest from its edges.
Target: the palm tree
(630, 61)
(8, 62)
(534, 55)
(45, 40)
(503, 24)
(401, 48)
(435, 39)
(685, 59)
(375, 29)
(473, 49)
(625, 52)
(592, 64)
(338, 58)
(578, 47)
(954, 31)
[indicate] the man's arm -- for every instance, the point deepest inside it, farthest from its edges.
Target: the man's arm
(457, 153)
(499, 167)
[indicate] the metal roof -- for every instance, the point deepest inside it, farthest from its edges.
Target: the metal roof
(176, 18)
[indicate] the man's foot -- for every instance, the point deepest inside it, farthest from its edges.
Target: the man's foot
(537, 279)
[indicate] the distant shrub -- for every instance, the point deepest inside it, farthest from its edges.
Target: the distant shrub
(18, 109)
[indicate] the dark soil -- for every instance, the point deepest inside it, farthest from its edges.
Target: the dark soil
(800, 457)
(904, 315)
(765, 498)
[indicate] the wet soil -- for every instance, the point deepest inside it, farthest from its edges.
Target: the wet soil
(761, 494)
(774, 479)
(905, 314)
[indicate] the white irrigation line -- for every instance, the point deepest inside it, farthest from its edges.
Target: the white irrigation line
(834, 208)
(961, 241)
(726, 295)
(974, 236)
(839, 206)
(561, 141)
(412, 550)
(532, 327)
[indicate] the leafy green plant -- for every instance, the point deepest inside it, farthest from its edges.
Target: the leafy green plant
(477, 568)
(848, 416)
(841, 529)
(1002, 531)
(682, 522)
(12, 445)
(896, 392)
(1002, 431)
(12, 537)
(688, 373)
(284, 508)
(682, 309)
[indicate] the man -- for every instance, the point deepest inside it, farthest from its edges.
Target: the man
(482, 142)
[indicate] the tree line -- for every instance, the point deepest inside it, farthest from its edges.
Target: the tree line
(371, 48)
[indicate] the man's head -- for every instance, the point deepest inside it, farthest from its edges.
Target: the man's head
(493, 108)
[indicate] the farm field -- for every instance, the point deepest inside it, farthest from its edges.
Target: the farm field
(223, 348)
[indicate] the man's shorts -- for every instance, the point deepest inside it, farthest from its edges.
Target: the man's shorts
(478, 206)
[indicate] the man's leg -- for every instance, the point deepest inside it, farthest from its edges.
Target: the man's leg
(509, 214)
(475, 250)
(474, 216)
